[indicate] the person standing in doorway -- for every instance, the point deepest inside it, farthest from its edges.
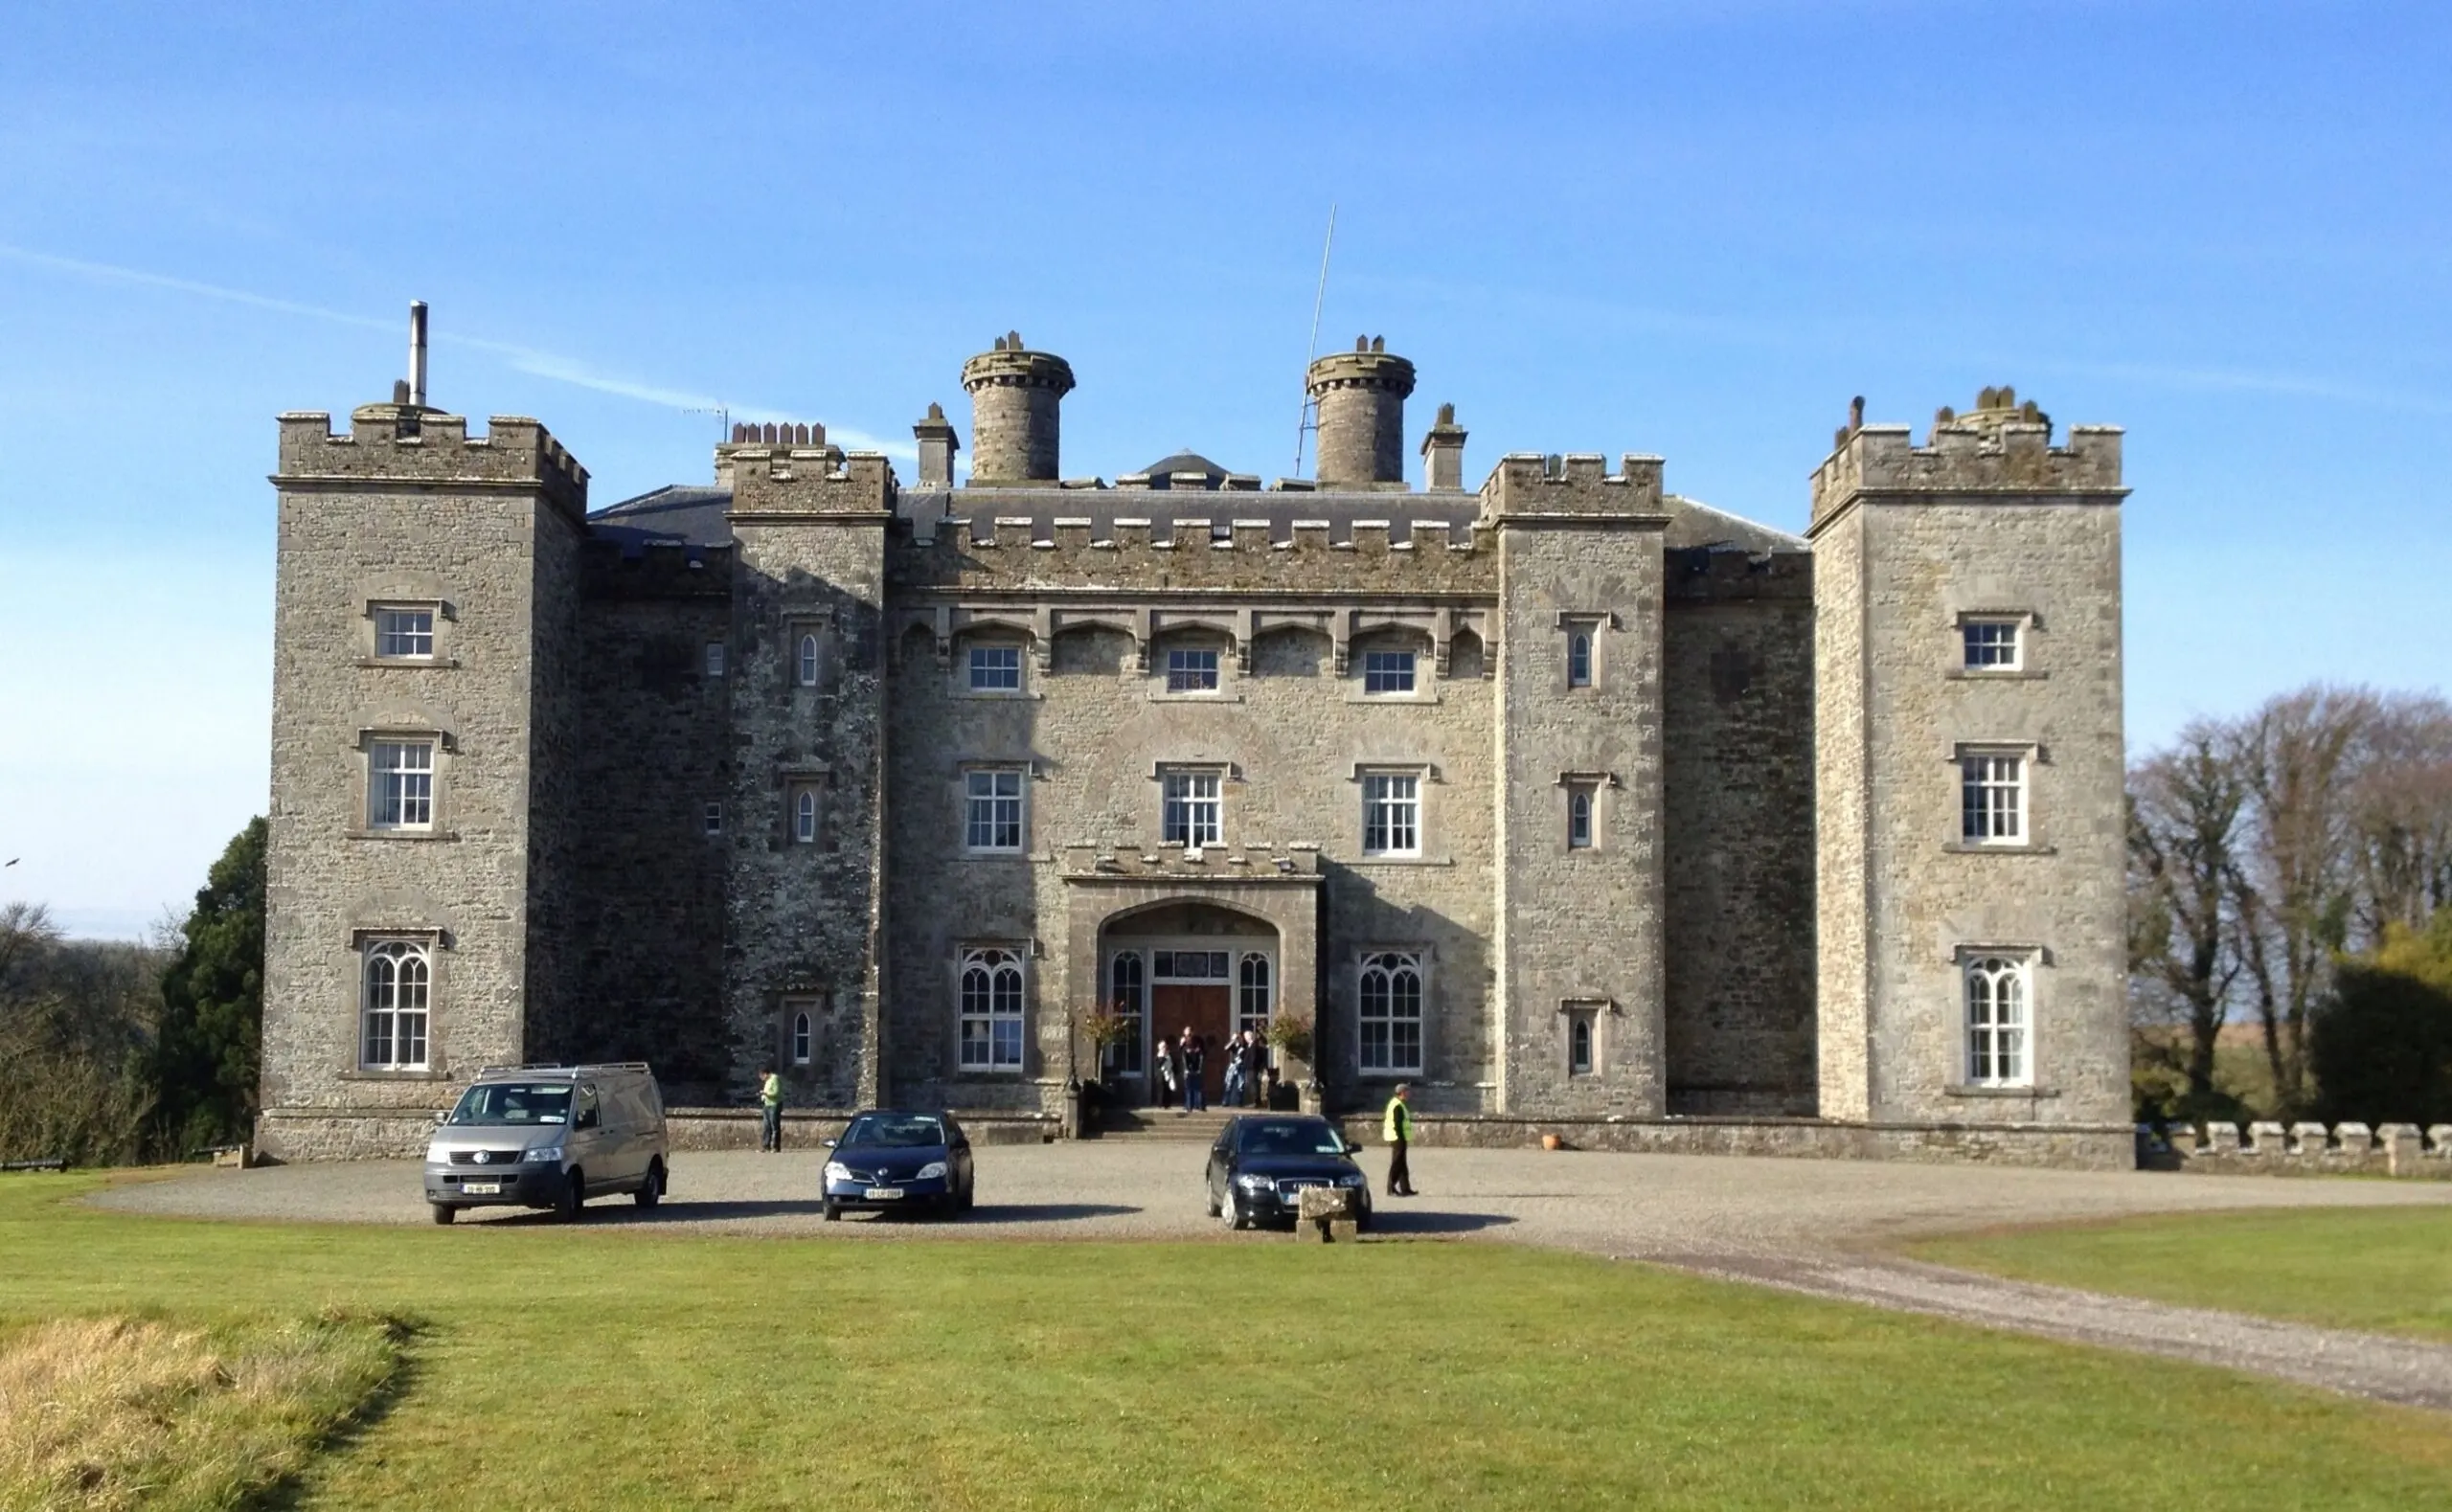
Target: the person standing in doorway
(1256, 1066)
(1236, 1053)
(1396, 1128)
(1163, 1072)
(1196, 1061)
(770, 1109)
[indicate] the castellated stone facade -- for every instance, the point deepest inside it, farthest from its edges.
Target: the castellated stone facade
(1579, 804)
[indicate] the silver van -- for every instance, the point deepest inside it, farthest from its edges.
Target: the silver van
(549, 1137)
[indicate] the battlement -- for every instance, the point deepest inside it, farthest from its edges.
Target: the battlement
(407, 445)
(2300, 1149)
(1527, 487)
(778, 480)
(1999, 447)
(1718, 575)
(1021, 552)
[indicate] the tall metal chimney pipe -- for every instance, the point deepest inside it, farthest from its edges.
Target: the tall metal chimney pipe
(416, 353)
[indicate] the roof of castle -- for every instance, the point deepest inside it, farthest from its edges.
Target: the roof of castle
(1693, 523)
(677, 514)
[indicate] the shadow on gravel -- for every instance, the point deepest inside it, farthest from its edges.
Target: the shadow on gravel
(1399, 1223)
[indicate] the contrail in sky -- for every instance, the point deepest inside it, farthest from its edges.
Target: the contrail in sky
(523, 359)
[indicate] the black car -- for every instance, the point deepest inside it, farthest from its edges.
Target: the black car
(891, 1158)
(1262, 1161)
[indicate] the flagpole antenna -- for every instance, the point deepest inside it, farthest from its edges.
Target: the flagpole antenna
(1308, 420)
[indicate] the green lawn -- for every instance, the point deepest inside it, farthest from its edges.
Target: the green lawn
(601, 1367)
(2383, 1269)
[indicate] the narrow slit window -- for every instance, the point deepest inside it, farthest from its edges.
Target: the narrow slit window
(805, 817)
(1579, 819)
(807, 661)
(1580, 659)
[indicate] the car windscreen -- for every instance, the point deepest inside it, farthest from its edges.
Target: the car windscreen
(1290, 1137)
(894, 1130)
(503, 1104)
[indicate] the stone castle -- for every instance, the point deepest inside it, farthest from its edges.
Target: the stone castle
(1579, 804)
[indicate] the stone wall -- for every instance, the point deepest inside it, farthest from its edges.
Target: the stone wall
(1580, 930)
(1738, 778)
(405, 509)
(2300, 1149)
(650, 922)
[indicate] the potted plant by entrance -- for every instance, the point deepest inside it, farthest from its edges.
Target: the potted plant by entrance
(1104, 1031)
(1289, 1034)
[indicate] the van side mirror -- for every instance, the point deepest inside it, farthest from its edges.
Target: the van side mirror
(828, 1143)
(442, 1115)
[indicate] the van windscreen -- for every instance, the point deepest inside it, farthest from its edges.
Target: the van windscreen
(514, 1103)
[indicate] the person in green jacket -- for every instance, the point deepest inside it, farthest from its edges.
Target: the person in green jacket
(1398, 1129)
(770, 1106)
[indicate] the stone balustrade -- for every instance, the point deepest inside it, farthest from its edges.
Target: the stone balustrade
(2299, 1149)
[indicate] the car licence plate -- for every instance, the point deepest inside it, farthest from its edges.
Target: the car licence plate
(883, 1194)
(481, 1188)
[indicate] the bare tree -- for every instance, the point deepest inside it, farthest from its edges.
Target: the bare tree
(2293, 883)
(2186, 809)
(2401, 810)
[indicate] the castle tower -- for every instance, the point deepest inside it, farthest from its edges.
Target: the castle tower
(1014, 395)
(1361, 395)
(424, 808)
(1971, 952)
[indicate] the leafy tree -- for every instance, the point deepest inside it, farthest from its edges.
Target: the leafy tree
(212, 999)
(2381, 1045)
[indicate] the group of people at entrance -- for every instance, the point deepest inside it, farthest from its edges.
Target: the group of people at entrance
(1180, 1070)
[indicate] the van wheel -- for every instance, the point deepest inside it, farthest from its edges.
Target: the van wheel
(833, 1213)
(574, 1196)
(653, 1188)
(445, 1212)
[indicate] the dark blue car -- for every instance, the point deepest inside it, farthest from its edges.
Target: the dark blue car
(1262, 1161)
(892, 1159)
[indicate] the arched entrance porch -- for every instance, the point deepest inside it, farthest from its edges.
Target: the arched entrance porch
(1179, 968)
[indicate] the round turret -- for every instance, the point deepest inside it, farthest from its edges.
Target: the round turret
(1013, 427)
(1361, 396)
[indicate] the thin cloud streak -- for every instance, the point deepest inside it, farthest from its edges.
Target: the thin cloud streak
(523, 359)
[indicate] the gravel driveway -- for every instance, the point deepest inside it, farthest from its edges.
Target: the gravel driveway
(1806, 1226)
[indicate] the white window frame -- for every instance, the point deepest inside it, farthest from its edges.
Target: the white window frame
(1391, 813)
(401, 771)
(1391, 673)
(1977, 646)
(804, 815)
(986, 812)
(805, 659)
(1255, 994)
(396, 992)
(991, 994)
(1127, 998)
(1993, 802)
(1193, 672)
(1191, 806)
(425, 612)
(714, 659)
(983, 675)
(1384, 1010)
(1996, 998)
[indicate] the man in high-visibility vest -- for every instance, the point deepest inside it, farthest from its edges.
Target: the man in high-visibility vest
(1398, 1129)
(770, 1107)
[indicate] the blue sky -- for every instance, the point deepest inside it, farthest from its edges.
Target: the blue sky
(1687, 228)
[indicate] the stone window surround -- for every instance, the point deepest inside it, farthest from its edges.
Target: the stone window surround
(1592, 623)
(2030, 624)
(1599, 785)
(439, 943)
(989, 636)
(447, 748)
(1023, 951)
(1229, 777)
(1426, 962)
(963, 773)
(1425, 814)
(798, 1016)
(2032, 756)
(446, 614)
(2037, 962)
(1596, 1012)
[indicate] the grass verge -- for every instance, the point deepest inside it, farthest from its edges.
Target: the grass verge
(602, 1367)
(2386, 1270)
(100, 1413)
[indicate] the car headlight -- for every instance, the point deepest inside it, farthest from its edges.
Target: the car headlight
(1255, 1184)
(837, 1171)
(551, 1152)
(1353, 1179)
(930, 1171)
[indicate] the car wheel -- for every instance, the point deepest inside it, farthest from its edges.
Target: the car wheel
(833, 1212)
(1232, 1211)
(574, 1196)
(445, 1212)
(651, 1190)
(1212, 1201)
(969, 1194)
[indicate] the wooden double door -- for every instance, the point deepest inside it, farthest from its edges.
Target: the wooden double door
(1209, 1012)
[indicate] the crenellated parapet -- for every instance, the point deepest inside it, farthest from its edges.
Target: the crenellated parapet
(1998, 448)
(2299, 1149)
(780, 483)
(1023, 552)
(1527, 489)
(406, 446)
